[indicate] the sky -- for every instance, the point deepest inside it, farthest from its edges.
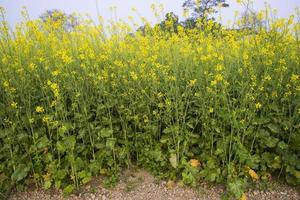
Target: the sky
(124, 8)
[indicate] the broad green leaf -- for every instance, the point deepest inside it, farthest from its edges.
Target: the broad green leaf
(69, 189)
(173, 160)
(20, 173)
(110, 143)
(47, 184)
(282, 145)
(274, 128)
(271, 142)
(105, 133)
(61, 146)
(70, 142)
(237, 187)
(43, 142)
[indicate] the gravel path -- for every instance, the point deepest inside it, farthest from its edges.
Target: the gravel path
(140, 185)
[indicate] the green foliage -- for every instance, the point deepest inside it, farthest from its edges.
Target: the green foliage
(203, 104)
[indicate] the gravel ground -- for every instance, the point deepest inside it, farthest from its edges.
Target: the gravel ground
(140, 185)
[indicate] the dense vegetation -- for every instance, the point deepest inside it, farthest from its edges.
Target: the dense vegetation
(199, 104)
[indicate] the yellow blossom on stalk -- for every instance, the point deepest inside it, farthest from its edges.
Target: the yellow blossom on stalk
(213, 83)
(14, 105)
(260, 15)
(253, 174)
(243, 197)
(294, 77)
(53, 103)
(55, 72)
(258, 106)
(46, 119)
(171, 78)
(219, 77)
(219, 67)
(268, 78)
(192, 82)
(211, 110)
(168, 102)
(39, 109)
(195, 163)
(6, 84)
(32, 66)
(133, 75)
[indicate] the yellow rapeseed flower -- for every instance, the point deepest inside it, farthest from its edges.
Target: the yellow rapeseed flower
(258, 106)
(14, 105)
(268, 78)
(294, 77)
(39, 109)
(243, 197)
(192, 82)
(195, 163)
(253, 174)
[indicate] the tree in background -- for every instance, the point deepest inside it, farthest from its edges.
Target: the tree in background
(201, 10)
(170, 23)
(68, 22)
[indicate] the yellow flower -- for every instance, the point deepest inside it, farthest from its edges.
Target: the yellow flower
(55, 73)
(219, 77)
(46, 119)
(192, 82)
(268, 78)
(253, 174)
(214, 82)
(294, 77)
(243, 197)
(195, 163)
(260, 15)
(14, 105)
(133, 75)
(39, 109)
(6, 84)
(258, 106)
(211, 110)
(219, 67)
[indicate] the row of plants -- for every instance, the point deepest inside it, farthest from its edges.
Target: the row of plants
(213, 104)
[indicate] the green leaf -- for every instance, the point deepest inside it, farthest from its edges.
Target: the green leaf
(60, 146)
(69, 189)
(70, 142)
(282, 145)
(274, 128)
(20, 173)
(110, 143)
(164, 139)
(86, 179)
(43, 142)
(105, 133)
(173, 160)
(271, 142)
(237, 187)
(47, 184)
(57, 184)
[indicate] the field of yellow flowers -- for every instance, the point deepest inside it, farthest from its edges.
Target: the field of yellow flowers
(212, 104)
